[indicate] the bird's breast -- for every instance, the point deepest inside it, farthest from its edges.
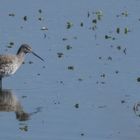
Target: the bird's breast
(7, 69)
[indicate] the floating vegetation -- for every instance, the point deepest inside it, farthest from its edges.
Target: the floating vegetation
(124, 51)
(102, 82)
(99, 14)
(107, 37)
(96, 16)
(68, 47)
(56, 102)
(109, 58)
(10, 45)
(103, 75)
(94, 21)
(138, 79)
(80, 79)
(38, 74)
(118, 30)
(116, 71)
(76, 105)
(40, 11)
(94, 26)
(45, 35)
(123, 101)
(70, 67)
(82, 134)
(123, 14)
(24, 96)
(44, 28)
(11, 14)
(81, 24)
(136, 109)
(40, 18)
(102, 106)
(61, 82)
(118, 47)
(60, 54)
(30, 62)
(25, 18)
(88, 14)
(64, 39)
(24, 128)
(126, 30)
(69, 25)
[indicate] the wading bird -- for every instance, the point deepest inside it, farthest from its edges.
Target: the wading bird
(9, 63)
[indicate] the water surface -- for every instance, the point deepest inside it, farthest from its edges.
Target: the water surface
(87, 87)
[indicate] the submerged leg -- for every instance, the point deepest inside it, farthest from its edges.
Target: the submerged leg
(0, 83)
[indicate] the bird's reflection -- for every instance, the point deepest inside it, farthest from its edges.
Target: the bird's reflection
(10, 103)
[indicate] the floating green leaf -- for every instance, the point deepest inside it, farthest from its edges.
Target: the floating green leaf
(76, 105)
(25, 18)
(11, 14)
(70, 67)
(88, 14)
(118, 30)
(11, 43)
(125, 13)
(138, 79)
(40, 18)
(99, 14)
(60, 54)
(107, 37)
(31, 62)
(81, 24)
(68, 47)
(94, 21)
(126, 30)
(64, 39)
(24, 128)
(119, 47)
(69, 25)
(40, 11)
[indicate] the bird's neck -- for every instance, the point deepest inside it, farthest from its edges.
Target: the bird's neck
(21, 56)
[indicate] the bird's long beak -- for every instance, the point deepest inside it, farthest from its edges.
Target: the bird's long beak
(37, 56)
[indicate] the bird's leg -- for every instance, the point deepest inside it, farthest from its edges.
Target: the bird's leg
(0, 83)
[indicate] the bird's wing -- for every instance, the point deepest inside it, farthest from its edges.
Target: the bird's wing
(6, 59)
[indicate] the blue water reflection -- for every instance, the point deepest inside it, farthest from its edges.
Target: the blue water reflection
(87, 87)
(10, 103)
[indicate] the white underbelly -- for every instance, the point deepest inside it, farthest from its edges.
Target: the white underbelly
(9, 69)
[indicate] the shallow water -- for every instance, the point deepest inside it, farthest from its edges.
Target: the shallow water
(87, 86)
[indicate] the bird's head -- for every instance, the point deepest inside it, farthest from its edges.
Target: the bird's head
(25, 48)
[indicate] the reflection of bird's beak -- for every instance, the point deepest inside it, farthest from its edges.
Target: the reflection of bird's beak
(37, 56)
